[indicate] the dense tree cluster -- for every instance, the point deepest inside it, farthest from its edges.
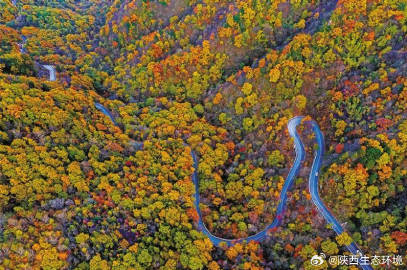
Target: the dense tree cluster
(220, 78)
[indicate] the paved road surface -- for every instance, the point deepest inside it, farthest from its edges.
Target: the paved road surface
(52, 72)
(313, 187)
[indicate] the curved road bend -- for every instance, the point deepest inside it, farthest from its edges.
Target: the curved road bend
(52, 72)
(50, 68)
(313, 187)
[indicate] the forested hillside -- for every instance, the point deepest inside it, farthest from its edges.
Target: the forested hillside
(217, 78)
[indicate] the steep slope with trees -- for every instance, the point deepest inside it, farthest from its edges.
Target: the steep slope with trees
(224, 77)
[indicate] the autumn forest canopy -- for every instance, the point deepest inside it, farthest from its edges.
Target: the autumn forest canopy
(217, 78)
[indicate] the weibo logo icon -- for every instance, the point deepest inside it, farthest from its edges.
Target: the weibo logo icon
(318, 259)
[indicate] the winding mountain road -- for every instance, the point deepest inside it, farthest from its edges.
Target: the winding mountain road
(300, 157)
(50, 68)
(313, 187)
